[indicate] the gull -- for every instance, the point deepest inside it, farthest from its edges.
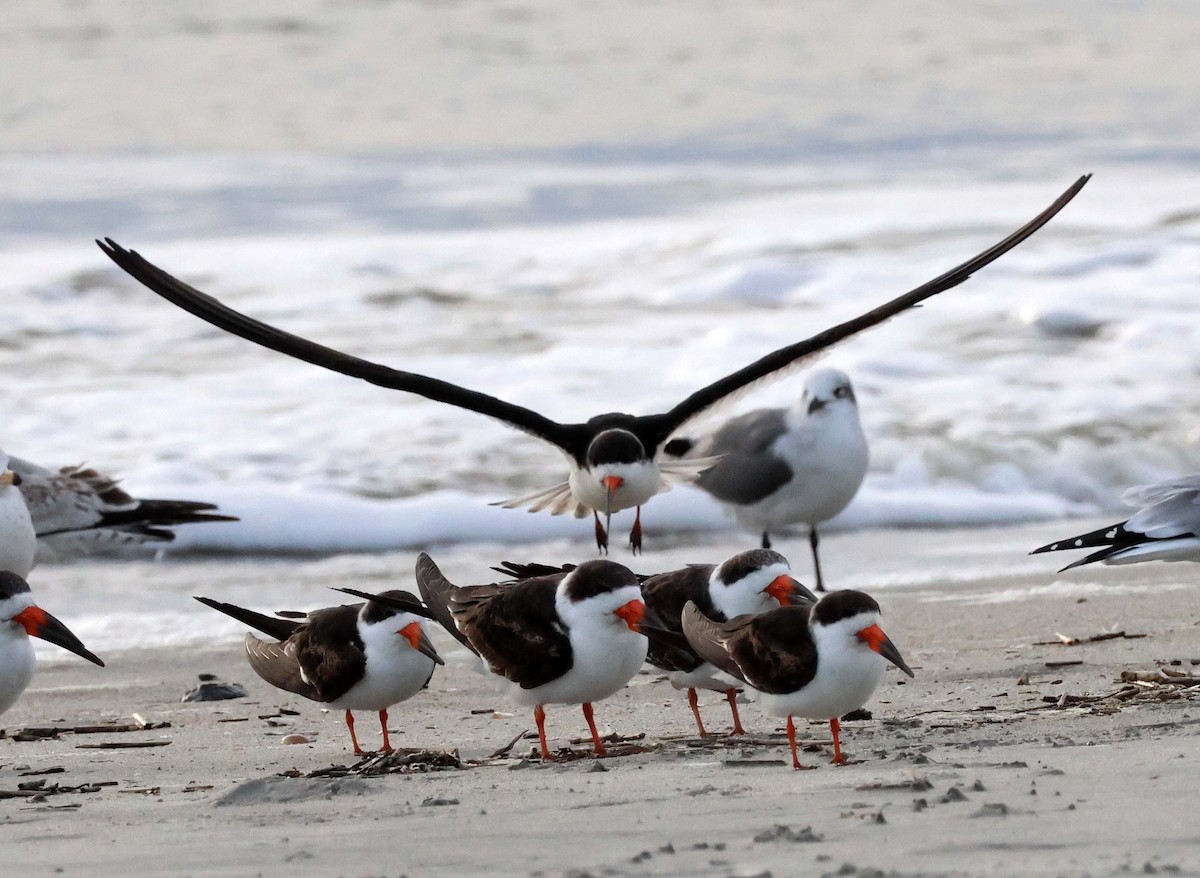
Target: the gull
(779, 467)
(76, 510)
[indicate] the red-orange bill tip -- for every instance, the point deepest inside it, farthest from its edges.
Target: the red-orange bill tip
(38, 623)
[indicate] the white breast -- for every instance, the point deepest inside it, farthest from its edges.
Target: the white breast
(829, 458)
(16, 663)
(848, 673)
(605, 653)
(395, 671)
(640, 482)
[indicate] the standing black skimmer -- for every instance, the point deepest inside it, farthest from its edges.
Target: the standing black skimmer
(18, 539)
(21, 618)
(566, 638)
(818, 660)
(780, 467)
(1166, 527)
(746, 584)
(614, 458)
(353, 657)
(77, 510)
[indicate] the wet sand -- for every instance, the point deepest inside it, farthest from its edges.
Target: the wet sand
(966, 770)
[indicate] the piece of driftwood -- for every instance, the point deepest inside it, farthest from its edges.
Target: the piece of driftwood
(916, 785)
(507, 748)
(121, 745)
(54, 769)
(1163, 676)
(42, 733)
(1067, 640)
(37, 790)
(1163, 684)
(612, 738)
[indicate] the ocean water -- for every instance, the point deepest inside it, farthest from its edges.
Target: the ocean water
(582, 208)
(1041, 388)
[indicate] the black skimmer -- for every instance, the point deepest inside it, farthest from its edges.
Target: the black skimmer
(20, 619)
(352, 657)
(615, 458)
(746, 584)
(567, 638)
(749, 582)
(18, 539)
(780, 467)
(1166, 527)
(819, 660)
(77, 510)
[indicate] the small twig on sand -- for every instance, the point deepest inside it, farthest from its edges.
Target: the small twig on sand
(1066, 640)
(507, 748)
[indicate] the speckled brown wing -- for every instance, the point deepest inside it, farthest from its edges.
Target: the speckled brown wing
(775, 651)
(276, 663)
(516, 629)
(321, 660)
(711, 639)
(330, 650)
(667, 594)
(437, 592)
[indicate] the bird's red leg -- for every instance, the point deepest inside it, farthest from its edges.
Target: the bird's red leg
(836, 728)
(601, 534)
(591, 721)
(539, 717)
(387, 743)
(635, 533)
(695, 705)
(731, 697)
(358, 751)
(791, 730)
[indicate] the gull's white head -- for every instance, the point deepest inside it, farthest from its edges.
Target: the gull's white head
(827, 391)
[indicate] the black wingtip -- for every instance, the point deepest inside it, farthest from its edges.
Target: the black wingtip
(408, 605)
(678, 447)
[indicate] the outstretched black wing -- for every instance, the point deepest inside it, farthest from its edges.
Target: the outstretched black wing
(204, 306)
(654, 430)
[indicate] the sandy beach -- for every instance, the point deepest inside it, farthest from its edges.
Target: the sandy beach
(995, 760)
(604, 192)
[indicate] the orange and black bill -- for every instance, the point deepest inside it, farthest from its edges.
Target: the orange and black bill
(38, 623)
(882, 644)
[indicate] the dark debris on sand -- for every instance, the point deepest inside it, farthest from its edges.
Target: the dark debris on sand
(400, 761)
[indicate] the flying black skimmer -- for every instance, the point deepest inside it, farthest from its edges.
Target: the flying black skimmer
(566, 638)
(780, 467)
(818, 660)
(352, 657)
(77, 510)
(18, 539)
(615, 458)
(1166, 527)
(20, 619)
(747, 584)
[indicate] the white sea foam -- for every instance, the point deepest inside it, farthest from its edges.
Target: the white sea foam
(1040, 389)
